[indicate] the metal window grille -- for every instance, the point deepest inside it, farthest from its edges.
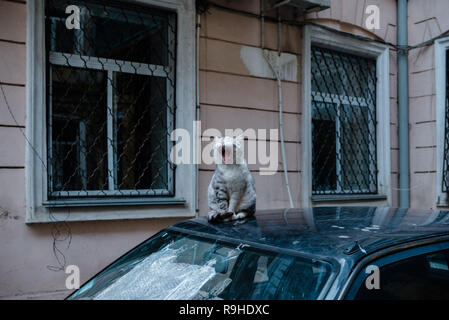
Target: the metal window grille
(445, 185)
(343, 123)
(110, 99)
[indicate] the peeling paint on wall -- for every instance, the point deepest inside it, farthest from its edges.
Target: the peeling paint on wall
(257, 66)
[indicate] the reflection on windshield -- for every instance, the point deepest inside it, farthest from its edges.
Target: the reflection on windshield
(172, 265)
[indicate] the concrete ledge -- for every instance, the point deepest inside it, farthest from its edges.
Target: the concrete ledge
(110, 202)
(351, 197)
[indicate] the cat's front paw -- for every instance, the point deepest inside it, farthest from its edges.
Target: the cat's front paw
(213, 216)
(240, 215)
(226, 216)
(236, 216)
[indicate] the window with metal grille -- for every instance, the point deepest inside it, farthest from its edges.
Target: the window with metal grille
(110, 99)
(445, 185)
(343, 123)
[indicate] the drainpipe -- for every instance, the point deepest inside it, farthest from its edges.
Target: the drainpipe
(197, 110)
(402, 60)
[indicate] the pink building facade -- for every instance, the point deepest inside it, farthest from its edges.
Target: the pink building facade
(236, 89)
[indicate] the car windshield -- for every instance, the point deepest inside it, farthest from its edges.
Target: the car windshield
(174, 265)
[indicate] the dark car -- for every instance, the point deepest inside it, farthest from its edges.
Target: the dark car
(320, 253)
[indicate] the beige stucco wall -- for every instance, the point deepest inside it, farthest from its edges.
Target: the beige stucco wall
(427, 19)
(230, 97)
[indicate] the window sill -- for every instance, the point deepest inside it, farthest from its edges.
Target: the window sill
(443, 200)
(112, 202)
(110, 209)
(355, 197)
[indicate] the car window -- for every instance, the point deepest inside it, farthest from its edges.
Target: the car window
(173, 265)
(420, 277)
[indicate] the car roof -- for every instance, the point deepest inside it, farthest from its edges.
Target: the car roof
(329, 232)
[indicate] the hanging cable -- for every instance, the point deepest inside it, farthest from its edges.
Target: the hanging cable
(277, 73)
(58, 234)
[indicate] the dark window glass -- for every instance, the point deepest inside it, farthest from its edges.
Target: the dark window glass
(141, 122)
(324, 158)
(422, 277)
(113, 32)
(78, 129)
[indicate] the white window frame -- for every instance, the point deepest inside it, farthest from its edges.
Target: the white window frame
(441, 45)
(38, 206)
(318, 36)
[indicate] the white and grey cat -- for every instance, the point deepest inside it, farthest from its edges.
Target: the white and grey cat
(232, 191)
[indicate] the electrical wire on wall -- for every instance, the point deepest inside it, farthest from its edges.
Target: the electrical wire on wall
(60, 230)
(277, 71)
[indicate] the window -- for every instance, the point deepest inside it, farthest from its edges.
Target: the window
(446, 133)
(343, 123)
(421, 277)
(442, 121)
(110, 100)
(445, 185)
(345, 138)
(102, 101)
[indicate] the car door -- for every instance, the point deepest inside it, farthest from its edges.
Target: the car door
(420, 273)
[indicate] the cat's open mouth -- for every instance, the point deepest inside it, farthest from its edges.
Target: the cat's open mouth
(223, 153)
